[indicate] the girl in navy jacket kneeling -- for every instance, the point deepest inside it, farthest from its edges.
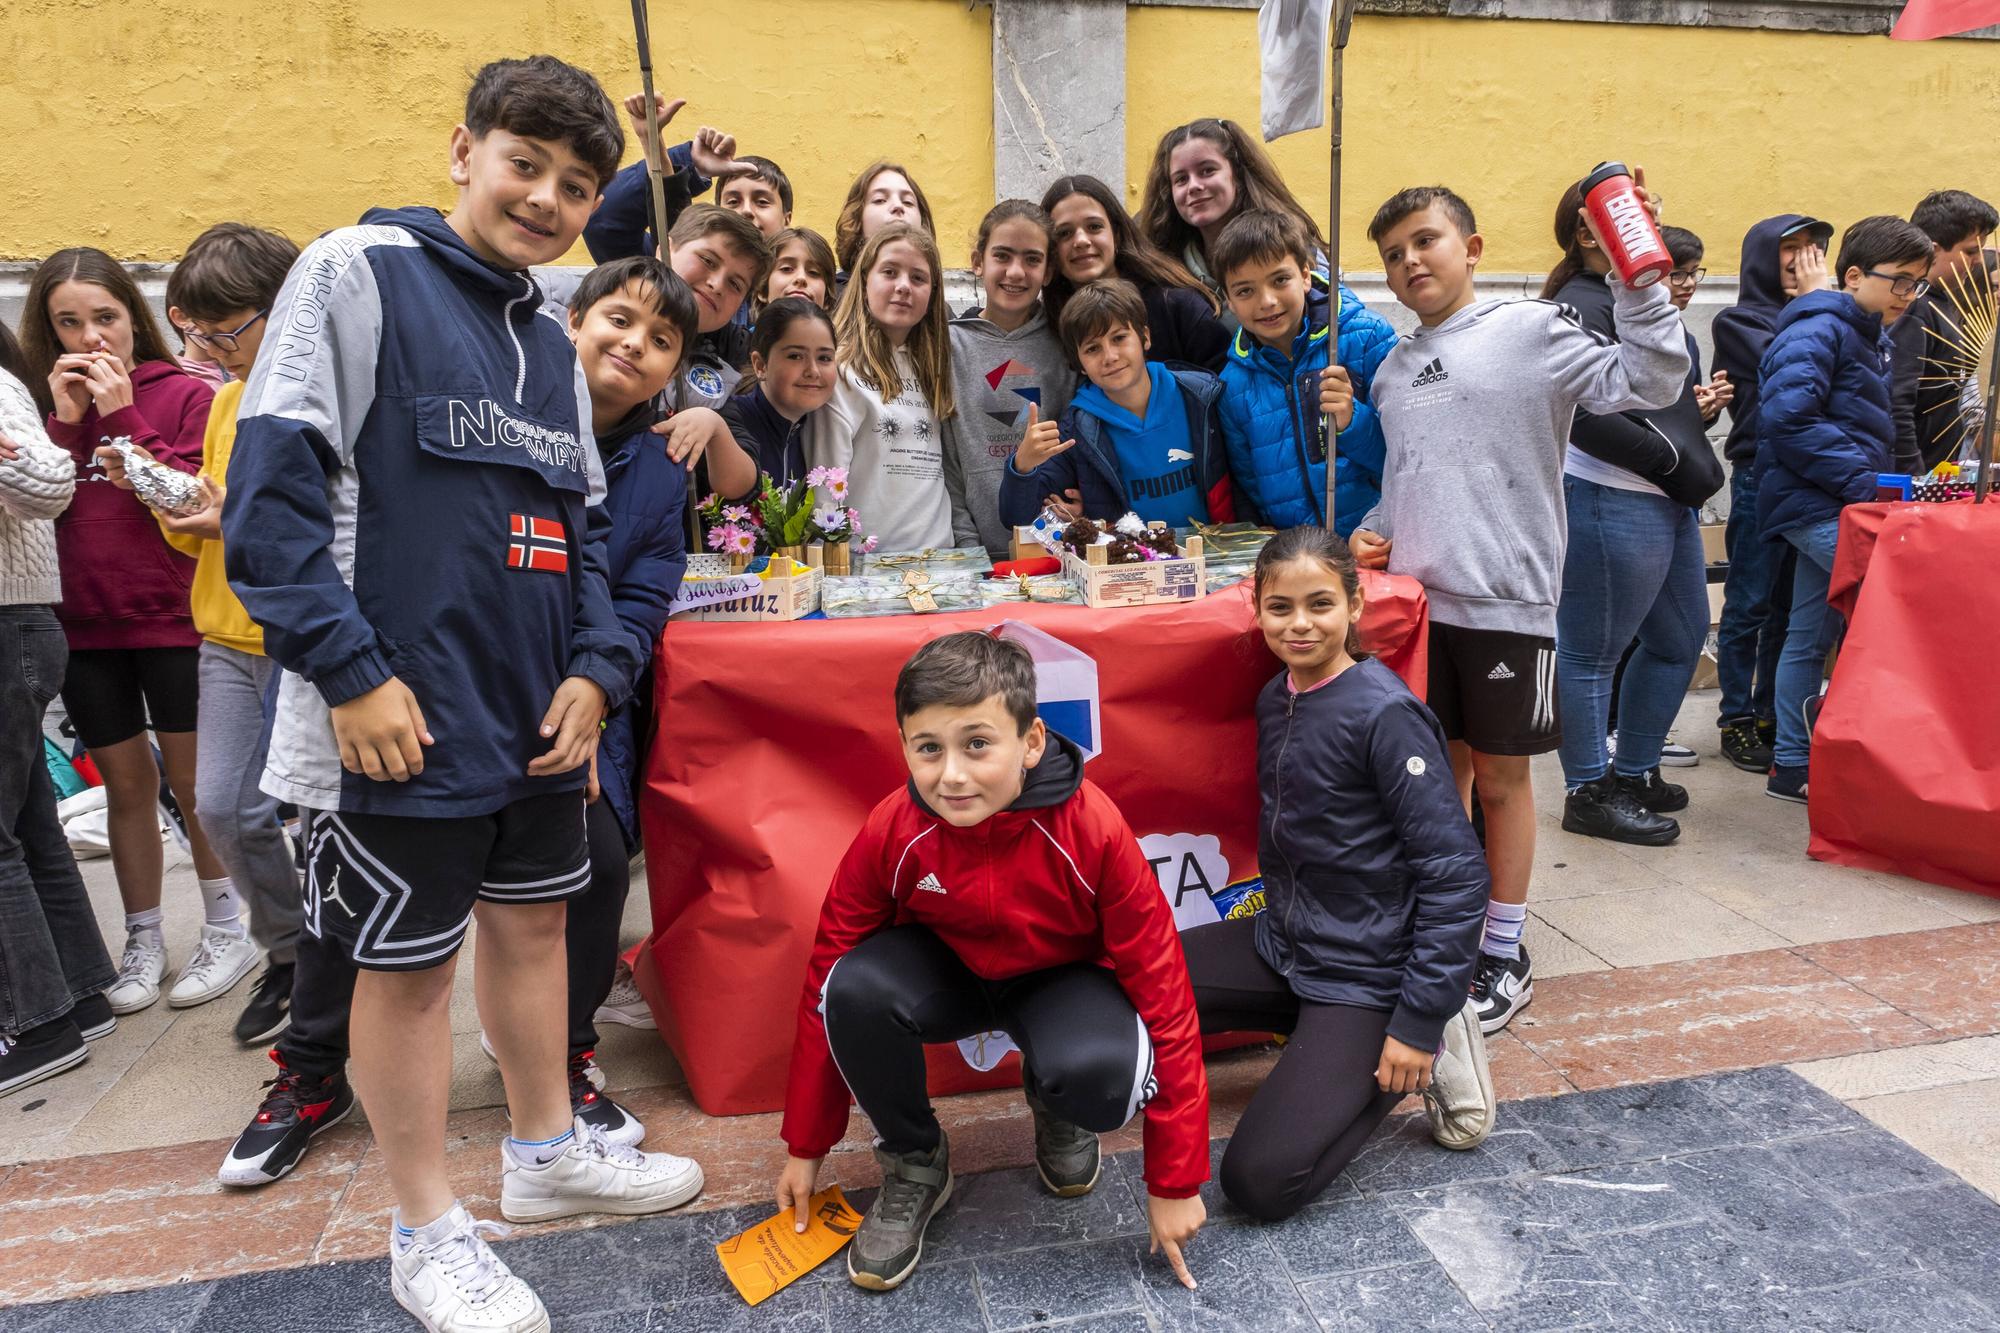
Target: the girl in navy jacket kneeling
(1376, 895)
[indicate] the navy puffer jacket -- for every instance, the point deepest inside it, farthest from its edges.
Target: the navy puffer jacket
(1825, 427)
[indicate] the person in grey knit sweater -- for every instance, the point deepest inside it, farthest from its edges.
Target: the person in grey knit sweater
(54, 968)
(1476, 408)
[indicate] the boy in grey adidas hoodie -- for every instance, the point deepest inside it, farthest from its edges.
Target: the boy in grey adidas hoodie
(1476, 408)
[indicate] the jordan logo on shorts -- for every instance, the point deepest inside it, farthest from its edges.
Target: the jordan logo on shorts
(331, 893)
(1500, 672)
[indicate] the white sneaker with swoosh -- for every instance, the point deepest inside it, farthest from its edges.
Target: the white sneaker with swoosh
(593, 1175)
(458, 1285)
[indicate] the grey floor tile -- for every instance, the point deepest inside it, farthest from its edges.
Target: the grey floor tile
(1129, 1321)
(799, 1308)
(1389, 1300)
(1891, 1305)
(1773, 1102)
(1578, 1203)
(1028, 1289)
(1849, 1165)
(1951, 1229)
(1800, 1240)
(1648, 1120)
(326, 1298)
(629, 1265)
(1009, 1210)
(1242, 1288)
(940, 1297)
(1345, 1237)
(1692, 1278)
(1402, 1156)
(161, 1310)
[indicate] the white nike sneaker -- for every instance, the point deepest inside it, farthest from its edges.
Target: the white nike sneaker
(594, 1175)
(140, 972)
(1459, 1102)
(625, 1005)
(221, 959)
(458, 1285)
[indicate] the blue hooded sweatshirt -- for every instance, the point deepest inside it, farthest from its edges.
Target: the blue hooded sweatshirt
(1744, 330)
(1271, 420)
(1825, 428)
(415, 492)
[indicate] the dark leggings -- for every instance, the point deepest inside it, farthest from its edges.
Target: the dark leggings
(323, 986)
(1084, 1052)
(1321, 1101)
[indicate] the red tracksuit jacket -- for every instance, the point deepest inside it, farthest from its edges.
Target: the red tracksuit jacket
(1033, 887)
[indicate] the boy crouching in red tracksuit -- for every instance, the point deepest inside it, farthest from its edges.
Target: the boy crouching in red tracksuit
(999, 891)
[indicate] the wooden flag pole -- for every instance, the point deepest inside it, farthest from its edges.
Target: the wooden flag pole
(1343, 20)
(655, 163)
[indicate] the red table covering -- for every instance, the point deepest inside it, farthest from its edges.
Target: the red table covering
(1906, 754)
(775, 740)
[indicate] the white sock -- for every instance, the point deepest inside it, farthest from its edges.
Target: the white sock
(1504, 924)
(537, 1152)
(148, 921)
(429, 1233)
(221, 904)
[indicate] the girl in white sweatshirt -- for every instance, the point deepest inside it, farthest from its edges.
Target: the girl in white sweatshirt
(885, 423)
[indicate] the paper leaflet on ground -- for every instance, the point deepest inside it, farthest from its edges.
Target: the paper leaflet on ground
(767, 1258)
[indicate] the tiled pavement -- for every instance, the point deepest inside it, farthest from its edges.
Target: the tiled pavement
(1730, 951)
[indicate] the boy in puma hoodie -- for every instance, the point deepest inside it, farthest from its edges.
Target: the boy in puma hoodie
(1476, 407)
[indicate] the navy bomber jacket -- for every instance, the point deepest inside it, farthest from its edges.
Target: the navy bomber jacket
(1376, 887)
(415, 492)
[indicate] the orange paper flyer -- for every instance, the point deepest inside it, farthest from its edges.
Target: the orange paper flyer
(771, 1256)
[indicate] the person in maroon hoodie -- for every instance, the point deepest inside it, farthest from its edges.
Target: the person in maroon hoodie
(133, 644)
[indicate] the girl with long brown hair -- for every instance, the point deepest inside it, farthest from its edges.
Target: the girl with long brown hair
(1204, 173)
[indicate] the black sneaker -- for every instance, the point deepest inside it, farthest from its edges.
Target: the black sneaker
(43, 1051)
(1787, 783)
(1744, 745)
(1605, 809)
(1502, 988)
(890, 1240)
(93, 1017)
(618, 1125)
(1068, 1157)
(1767, 731)
(1654, 792)
(296, 1110)
(270, 1009)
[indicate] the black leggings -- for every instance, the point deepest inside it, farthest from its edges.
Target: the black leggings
(1319, 1104)
(323, 986)
(1085, 1053)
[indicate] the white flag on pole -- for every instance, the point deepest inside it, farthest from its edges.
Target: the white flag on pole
(1292, 40)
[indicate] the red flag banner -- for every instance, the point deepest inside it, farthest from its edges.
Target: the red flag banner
(1925, 19)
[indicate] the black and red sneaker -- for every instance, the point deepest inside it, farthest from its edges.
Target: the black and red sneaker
(618, 1125)
(294, 1111)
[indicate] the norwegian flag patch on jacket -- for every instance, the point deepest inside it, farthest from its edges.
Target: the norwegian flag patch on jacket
(537, 543)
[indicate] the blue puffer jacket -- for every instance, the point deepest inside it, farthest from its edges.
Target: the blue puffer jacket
(1092, 467)
(1824, 422)
(1375, 883)
(1270, 417)
(646, 550)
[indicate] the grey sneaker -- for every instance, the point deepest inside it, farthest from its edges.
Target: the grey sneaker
(1067, 1157)
(1459, 1102)
(890, 1241)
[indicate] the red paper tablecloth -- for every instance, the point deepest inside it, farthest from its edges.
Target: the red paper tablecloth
(1906, 754)
(775, 740)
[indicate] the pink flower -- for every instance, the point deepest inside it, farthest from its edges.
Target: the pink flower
(818, 476)
(736, 514)
(741, 541)
(718, 537)
(869, 546)
(836, 486)
(854, 519)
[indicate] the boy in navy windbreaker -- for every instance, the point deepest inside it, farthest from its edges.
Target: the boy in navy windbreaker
(1271, 382)
(1825, 430)
(416, 520)
(1150, 441)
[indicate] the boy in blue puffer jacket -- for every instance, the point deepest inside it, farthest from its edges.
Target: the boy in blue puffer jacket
(1270, 383)
(1151, 442)
(1825, 431)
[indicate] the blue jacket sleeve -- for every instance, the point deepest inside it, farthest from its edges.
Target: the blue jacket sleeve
(1794, 420)
(1362, 443)
(621, 226)
(1021, 492)
(300, 414)
(1234, 410)
(1413, 775)
(601, 650)
(650, 550)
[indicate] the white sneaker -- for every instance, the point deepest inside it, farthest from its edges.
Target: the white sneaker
(1675, 755)
(1459, 1102)
(590, 1068)
(595, 1176)
(625, 1005)
(220, 960)
(140, 972)
(458, 1285)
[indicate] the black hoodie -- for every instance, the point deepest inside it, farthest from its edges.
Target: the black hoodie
(1743, 331)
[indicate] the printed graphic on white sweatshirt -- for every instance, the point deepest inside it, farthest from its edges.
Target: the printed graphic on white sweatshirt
(1012, 386)
(906, 436)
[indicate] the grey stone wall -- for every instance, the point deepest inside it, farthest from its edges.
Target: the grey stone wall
(1847, 16)
(1058, 92)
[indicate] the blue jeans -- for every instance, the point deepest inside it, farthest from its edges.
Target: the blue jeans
(1803, 663)
(1755, 600)
(51, 954)
(1634, 568)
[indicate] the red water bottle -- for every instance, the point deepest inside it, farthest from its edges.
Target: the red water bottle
(1625, 229)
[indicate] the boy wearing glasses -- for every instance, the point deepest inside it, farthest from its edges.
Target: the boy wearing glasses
(1686, 250)
(222, 290)
(1826, 430)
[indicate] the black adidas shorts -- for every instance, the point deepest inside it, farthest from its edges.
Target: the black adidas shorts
(397, 892)
(1494, 689)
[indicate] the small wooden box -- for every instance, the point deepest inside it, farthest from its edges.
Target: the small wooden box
(1149, 583)
(784, 590)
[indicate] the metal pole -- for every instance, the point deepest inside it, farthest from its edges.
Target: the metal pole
(1343, 20)
(655, 167)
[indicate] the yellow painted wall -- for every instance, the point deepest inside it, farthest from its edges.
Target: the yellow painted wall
(133, 125)
(1731, 124)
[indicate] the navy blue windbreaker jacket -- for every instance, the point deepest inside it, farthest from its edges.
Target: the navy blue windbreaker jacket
(415, 492)
(1825, 424)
